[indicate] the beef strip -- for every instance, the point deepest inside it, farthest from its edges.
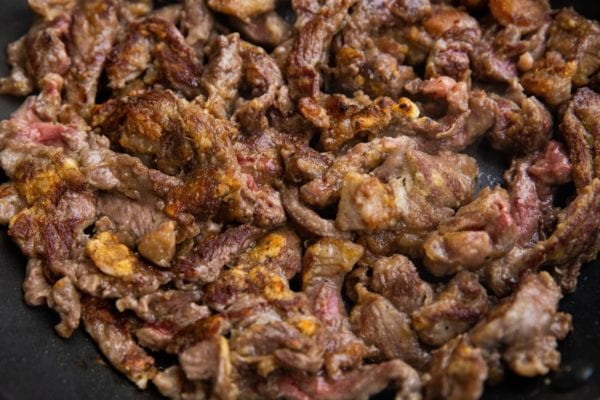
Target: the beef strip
(581, 128)
(422, 191)
(36, 288)
(396, 278)
(308, 219)
(325, 265)
(356, 384)
(222, 76)
(571, 58)
(197, 24)
(65, 300)
(361, 158)
(310, 47)
(212, 252)
(11, 202)
(113, 335)
(453, 311)
(194, 364)
(376, 321)
(458, 371)
(485, 224)
(92, 34)
(529, 345)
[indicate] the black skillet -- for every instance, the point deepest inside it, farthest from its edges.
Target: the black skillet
(36, 364)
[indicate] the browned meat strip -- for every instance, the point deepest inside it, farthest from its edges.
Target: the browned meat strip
(522, 126)
(581, 128)
(397, 279)
(93, 32)
(375, 320)
(308, 219)
(64, 299)
(197, 24)
(356, 384)
(36, 288)
(11, 202)
(50, 9)
(222, 76)
(361, 158)
(212, 252)
(483, 229)
(113, 335)
(457, 308)
(325, 265)
(525, 327)
(219, 370)
(458, 371)
(310, 48)
(242, 9)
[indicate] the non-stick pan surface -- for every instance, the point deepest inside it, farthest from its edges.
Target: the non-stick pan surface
(36, 364)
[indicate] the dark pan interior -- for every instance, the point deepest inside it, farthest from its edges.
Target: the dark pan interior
(36, 364)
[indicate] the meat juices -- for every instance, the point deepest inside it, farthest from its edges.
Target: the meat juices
(284, 200)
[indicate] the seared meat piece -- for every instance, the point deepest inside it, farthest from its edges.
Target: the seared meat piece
(261, 272)
(11, 202)
(455, 33)
(375, 320)
(310, 48)
(527, 15)
(503, 52)
(458, 371)
(213, 251)
(281, 248)
(456, 309)
(446, 117)
(50, 9)
(41, 52)
(158, 38)
(340, 119)
(483, 229)
(396, 279)
(523, 124)
(305, 164)
(422, 191)
(197, 24)
(113, 335)
(268, 29)
(307, 219)
(574, 240)
(172, 383)
(18, 83)
(242, 9)
(361, 158)
(218, 369)
(576, 39)
(551, 78)
(36, 288)
(93, 31)
(325, 265)
(54, 232)
(581, 128)
(64, 299)
(222, 76)
(177, 309)
(129, 219)
(571, 58)
(356, 384)
(525, 327)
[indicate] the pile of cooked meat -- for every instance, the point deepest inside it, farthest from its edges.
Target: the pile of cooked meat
(280, 195)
